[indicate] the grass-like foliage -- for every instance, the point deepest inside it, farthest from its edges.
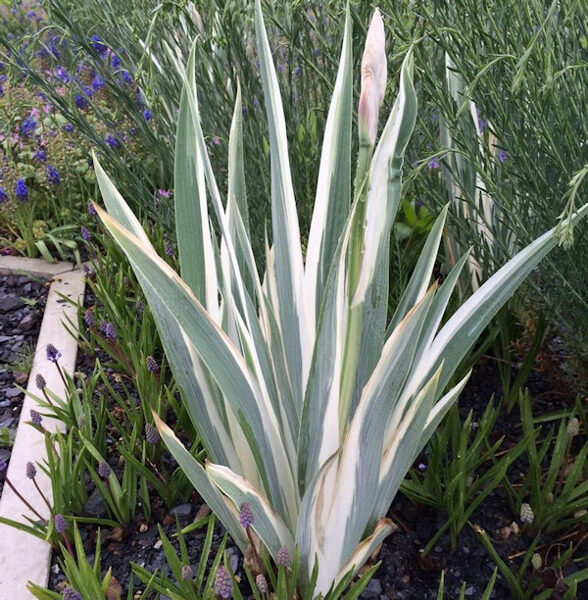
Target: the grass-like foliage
(311, 404)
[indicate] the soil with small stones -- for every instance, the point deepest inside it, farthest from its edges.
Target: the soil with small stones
(404, 573)
(22, 301)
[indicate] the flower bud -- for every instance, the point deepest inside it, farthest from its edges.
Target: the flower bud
(573, 427)
(536, 561)
(261, 583)
(374, 72)
(527, 514)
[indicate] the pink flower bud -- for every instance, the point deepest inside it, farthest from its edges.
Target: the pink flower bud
(374, 72)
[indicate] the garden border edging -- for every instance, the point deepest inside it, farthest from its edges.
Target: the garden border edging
(23, 557)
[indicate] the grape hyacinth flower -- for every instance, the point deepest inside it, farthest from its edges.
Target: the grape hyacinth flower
(53, 355)
(502, 155)
(68, 127)
(147, 114)
(223, 583)
(112, 141)
(89, 318)
(283, 557)
(3, 195)
(103, 469)
(115, 61)
(86, 235)
(168, 248)
(261, 583)
(98, 45)
(527, 515)
(151, 434)
(21, 190)
(97, 83)
(80, 101)
(36, 418)
(433, 163)
(71, 594)
(60, 523)
(108, 330)
(28, 126)
(40, 382)
(246, 515)
(91, 210)
(187, 573)
(152, 365)
(40, 155)
(52, 175)
(31, 470)
(127, 78)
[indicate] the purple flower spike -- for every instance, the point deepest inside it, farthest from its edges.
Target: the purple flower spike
(223, 583)
(108, 330)
(40, 382)
(103, 469)
(86, 235)
(36, 418)
(152, 365)
(187, 573)
(71, 594)
(60, 523)
(151, 434)
(31, 470)
(433, 163)
(168, 248)
(246, 515)
(91, 210)
(21, 190)
(89, 318)
(53, 353)
(283, 557)
(502, 156)
(52, 175)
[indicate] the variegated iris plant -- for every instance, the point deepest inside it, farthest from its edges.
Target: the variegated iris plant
(311, 404)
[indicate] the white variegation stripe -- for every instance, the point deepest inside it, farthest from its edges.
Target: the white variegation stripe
(286, 233)
(330, 205)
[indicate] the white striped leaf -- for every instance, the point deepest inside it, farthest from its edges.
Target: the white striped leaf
(289, 270)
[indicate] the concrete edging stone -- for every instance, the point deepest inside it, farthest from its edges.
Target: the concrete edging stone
(23, 557)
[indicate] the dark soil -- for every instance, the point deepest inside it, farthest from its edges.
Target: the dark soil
(404, 573)
(22, 301)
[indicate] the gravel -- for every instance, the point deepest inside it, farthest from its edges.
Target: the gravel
(22, 301)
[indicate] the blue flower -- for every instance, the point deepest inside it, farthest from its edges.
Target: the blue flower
(52, 175)
(81, 101)
(62, 74)
(97, 83)
(98, 45)
(88, 91)
(28, 126)
(112, 141)
(147, 114)
(68, 127)
(1, 91)
(433, 163)
(86, 235)
(21, 190)
(3, 195)
(115, 61)
(127, 77)
(40, 155)
(502, 155)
